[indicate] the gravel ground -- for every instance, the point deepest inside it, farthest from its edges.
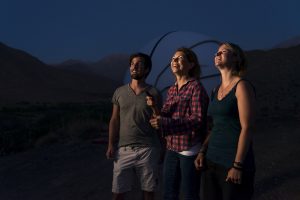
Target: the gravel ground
(79, 171)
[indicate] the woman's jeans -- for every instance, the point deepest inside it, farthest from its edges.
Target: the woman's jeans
(180, 173)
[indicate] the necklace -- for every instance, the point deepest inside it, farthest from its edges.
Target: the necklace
(224, 89)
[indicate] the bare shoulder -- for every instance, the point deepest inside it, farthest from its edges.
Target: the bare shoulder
(245, 88)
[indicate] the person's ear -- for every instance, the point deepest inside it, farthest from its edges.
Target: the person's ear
(147, 71)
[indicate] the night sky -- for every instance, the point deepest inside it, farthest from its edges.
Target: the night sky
(57, 30)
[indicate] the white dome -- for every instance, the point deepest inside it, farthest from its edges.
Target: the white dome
(162, 49)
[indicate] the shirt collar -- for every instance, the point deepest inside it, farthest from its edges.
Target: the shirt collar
(189, 80)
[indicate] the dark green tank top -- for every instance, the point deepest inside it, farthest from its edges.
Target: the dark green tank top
(226, 130)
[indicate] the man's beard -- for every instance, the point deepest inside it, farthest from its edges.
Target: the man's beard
(136, 76)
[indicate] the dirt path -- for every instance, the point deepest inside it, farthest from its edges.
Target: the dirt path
(74, 171)
(79, 171)
(278, 162)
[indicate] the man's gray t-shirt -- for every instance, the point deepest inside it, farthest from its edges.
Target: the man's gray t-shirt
(135, 114)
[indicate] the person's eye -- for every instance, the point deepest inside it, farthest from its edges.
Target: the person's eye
(218, 53)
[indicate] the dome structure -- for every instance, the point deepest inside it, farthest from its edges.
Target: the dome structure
(162, 49)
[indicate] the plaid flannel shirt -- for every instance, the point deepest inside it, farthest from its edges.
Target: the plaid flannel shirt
(183, 116)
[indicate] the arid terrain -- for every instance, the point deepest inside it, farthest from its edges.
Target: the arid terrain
(80, 171)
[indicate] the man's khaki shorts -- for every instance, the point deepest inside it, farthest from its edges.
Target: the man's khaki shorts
(141, 162)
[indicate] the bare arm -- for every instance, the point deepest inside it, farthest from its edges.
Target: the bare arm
(246, 106)
(199, 161)
(114, 126)
(246, 101)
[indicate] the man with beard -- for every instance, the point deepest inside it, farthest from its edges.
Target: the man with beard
(138, 144)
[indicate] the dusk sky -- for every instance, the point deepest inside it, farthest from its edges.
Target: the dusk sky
(57, 30)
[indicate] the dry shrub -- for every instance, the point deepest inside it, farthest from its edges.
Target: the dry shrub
(83, 129)
(75, 130)
(47, 139)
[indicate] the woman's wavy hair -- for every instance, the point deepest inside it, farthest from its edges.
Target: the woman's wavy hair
(192, 57)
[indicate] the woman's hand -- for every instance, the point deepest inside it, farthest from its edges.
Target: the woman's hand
(234, 175)
(155, 122)
(199, 161)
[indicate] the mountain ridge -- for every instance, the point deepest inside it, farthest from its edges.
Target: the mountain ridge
(26, 78)
(275, 73)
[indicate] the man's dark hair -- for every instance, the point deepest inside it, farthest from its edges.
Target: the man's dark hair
(146, 58)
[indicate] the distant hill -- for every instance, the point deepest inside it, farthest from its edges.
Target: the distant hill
(276, 76)
(112, 66)
(289, 43)
(74, 65)
(26, 78)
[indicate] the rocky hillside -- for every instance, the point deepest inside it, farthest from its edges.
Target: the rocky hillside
(26, 78)
(276, 76)
(112, 66)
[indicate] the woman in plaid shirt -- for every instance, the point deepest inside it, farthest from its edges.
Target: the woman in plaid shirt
(182, 122)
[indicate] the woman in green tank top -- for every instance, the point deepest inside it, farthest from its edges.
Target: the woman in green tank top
(230, 168)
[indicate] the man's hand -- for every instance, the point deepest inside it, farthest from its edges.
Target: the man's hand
(110, 153)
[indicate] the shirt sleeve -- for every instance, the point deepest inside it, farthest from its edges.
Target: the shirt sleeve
(187, 120)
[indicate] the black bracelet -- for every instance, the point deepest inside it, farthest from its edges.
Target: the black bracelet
(237, 168)
(239, 164)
